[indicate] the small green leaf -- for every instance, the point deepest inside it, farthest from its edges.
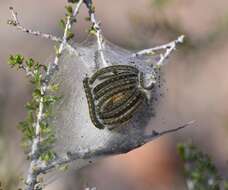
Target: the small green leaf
(62, 23)
(37, 77)
(15, 60)
(92, 8)
(29, 63)
(63, 167)
(47, 156)
(181, 151)
(27, 129)
(37, 93)
(70, 35)
(73, 1)
(92, 31)
(56, 48)
(48, 100)
(69, 10)
(54, 87)
(32, 105)
(199, 169)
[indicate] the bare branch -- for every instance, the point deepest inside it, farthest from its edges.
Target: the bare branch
(156, 135)
(15, 22)
(169, 48)
(100, 151)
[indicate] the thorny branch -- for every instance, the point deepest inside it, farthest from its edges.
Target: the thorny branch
(169, 48)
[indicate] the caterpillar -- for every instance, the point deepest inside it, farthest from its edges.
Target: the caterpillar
(114, 94)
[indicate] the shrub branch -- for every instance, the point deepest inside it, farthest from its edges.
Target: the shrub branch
(90, 153)
(41, 75)
(169, 48)
(35, 154)
(15, 22)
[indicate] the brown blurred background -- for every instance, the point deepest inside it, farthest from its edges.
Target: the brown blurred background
(196, 78)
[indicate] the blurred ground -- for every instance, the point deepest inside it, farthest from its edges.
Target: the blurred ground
(196, 79)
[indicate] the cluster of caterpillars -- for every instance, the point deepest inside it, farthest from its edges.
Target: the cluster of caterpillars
(114, 94)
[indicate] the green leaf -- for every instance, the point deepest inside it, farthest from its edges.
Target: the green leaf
(62, 23)
(92, 8)
(92, 31)
(29, 63)
(199, 169)
(181, 151)
(63, 167)
(70, 35)
(73, 1)
(46, 130)
(56, 48)
(47, 156)
(37, 93)
(15, 60)
(37, 77)
(32, 105)
(69, 10)
(54, 87)
(48, 100)
(27, 129)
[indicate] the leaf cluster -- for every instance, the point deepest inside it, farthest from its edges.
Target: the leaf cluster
(199, 170)
(37, 73)
(68, 15)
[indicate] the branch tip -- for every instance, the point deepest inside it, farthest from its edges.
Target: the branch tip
(181, 39)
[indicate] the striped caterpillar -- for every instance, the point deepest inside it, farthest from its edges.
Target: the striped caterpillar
(114, 94)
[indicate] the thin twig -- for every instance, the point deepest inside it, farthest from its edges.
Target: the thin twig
(100, 151)
(32, 174)
(53, 67)
(27, 71)
(98, 32)
(169, 47)
(15, 22)
(156, 135)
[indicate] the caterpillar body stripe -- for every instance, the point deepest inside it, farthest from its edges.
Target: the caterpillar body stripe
(113, 86)
(114, 69)
(92, 111)
(114, 91)
(114, 79)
